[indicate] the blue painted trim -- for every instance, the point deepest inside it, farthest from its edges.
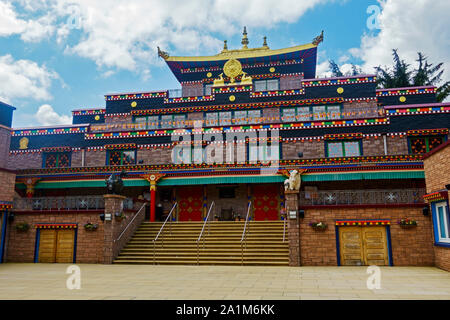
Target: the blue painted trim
(75, 245)
(338, 253)
(442, 244)
(389, 244)
(434, 220)
(3, 238)
(36, 246)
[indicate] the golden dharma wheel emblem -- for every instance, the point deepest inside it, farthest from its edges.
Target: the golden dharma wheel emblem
(402, 99)
(340, 90)
(209, 74)
(134, 104)
(232, 69)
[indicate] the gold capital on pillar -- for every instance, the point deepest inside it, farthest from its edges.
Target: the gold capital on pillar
(153, 178)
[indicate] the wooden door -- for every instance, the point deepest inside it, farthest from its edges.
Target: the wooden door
(351, 246)
(47, 245)
(190, 203)
(56, 245)
(375, 246)
(265, 202)
(363, 246)
(65, 245)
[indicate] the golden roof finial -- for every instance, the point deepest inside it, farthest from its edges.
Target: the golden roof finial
(225, 46)
(162, 54)
(318, 39)
(245, 41)
(265, 43)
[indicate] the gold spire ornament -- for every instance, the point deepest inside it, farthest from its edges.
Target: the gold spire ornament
(244, 41)
(225, 46)
(162, 54)
(318, 39)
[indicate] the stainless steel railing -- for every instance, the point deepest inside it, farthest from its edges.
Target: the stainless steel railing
(141, 210)
(244, 233)
(207, 222)
(161, 231)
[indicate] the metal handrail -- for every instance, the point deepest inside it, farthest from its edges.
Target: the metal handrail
(244, 234)
(161, 231)
(203, 228)
(139, 211)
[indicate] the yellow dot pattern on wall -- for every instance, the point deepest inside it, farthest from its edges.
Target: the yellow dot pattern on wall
(97, 118)
(134, 104)
(209, 74)
(340, 90)
(232, 98)
(402, 99)
(272, 70)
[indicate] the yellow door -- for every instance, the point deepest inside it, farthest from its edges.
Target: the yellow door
(351, 246)
(65, 246)
(56, 245)
(375, 246)
(47, 245)
(363, 246)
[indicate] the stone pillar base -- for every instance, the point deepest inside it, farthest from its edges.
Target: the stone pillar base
(293, 227)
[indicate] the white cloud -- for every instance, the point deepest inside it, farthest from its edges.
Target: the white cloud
(24, 79)
(9, 22)
(124, 34)
(46, 116)
(410, 27)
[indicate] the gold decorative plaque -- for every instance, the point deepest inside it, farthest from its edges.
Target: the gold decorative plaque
(232, 69)
(23, 143)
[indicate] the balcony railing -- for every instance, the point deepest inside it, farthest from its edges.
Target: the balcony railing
(362, 197)
(77, 203)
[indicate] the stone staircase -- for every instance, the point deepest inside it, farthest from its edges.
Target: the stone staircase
(222, 246)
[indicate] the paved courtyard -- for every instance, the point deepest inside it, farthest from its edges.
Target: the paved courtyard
(48, 281)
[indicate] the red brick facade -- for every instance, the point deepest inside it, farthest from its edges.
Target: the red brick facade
(410, 247)
(437, 176)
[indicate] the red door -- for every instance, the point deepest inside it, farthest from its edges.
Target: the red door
(265, 202)
(190, 203)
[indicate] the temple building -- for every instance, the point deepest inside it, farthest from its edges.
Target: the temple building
(253, 161)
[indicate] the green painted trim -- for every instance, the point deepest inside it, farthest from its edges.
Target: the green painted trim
(364, 176)
(186, 181)
(221, 180)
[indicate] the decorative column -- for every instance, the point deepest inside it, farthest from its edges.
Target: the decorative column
(293, 226)
(113, 205)
(153, 178)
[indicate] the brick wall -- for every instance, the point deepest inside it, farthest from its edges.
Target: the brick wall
(290, 82)
(21, 245)
(356, 110)
(118, 119)
(5, 140)
(373, 146)
(410, 247)
(192, 89)
(310, 149)
(155, 156)
(437, 176)
(397, 145)
(437, 170)
(76, 159)
(95, 158)
(7, 184)
(25, 161)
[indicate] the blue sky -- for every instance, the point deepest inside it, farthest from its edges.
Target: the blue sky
(52, 64)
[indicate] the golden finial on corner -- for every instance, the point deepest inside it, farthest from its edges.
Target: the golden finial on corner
(162, 54)
(225, 46)
(244, 41)
(318, 39)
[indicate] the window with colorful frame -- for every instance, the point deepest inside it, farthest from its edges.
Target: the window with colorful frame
(441, 222)
(239, 116)
(121, 157)
(424, 144)
(267, 85)
(315, 113)
(207, 89)
(263, 152)
(343, 148)
(163, 121)
(56, 159)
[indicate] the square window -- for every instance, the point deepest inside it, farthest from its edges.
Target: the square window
(352, 149)
(261, 85)
(319, 113)
(212, 119)
(57, 160)
(225, 118)
(153, 122)
(240, 117)
(288, 115)
(335, 150)
(179, 121)
(254, 116)
(303, 114)
(334, 112)
(273, 85)
(166, 121)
